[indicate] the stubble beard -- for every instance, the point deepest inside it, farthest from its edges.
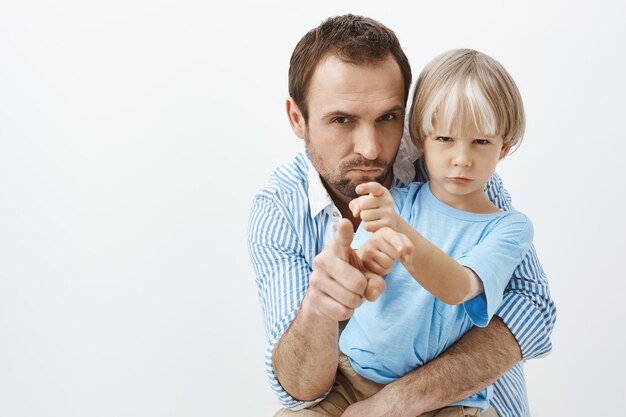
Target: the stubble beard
(336, 178)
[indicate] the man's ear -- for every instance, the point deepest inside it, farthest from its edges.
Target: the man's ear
(296, 120)
(504, 151)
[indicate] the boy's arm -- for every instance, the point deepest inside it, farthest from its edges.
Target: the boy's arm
(521, 329)
(437, 272)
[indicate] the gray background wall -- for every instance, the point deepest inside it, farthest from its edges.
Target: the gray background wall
(134, 133)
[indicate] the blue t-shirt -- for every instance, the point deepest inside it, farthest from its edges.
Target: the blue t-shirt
(407, 326)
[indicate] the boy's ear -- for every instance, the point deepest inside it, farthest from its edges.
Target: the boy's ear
(296, 120)
(505, 151)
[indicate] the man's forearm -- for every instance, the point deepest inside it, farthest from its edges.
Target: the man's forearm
(474, 362)
(305, 359)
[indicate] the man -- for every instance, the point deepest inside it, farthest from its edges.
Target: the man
(348, 83)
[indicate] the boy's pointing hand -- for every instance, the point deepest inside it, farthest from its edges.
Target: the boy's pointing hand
(375, 207)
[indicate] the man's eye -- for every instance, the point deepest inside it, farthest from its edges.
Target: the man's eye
(443, 138)
(481, 141)
(340, 120)
(387, 117)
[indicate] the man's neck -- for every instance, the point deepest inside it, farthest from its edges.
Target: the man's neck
(341, 202)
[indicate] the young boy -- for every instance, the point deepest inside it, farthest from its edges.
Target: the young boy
(457, 251)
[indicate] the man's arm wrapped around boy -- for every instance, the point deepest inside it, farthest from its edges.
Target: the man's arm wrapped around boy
(526, 309)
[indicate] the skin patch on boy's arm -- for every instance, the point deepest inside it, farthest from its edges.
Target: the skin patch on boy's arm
(476, 285)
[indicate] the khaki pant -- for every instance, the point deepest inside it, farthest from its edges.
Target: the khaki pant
(351, 387)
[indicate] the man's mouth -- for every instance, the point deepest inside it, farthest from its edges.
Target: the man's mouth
(366, 170)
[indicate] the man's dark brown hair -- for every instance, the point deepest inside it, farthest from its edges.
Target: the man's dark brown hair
(353, 39)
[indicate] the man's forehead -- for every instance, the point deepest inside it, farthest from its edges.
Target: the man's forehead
(343, 84)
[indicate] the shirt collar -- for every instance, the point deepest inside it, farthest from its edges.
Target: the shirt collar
(319, 199)
(403, 167)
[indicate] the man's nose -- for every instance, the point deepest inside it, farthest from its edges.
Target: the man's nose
(366, 143)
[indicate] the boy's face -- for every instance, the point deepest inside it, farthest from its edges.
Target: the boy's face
(355, 122)
(460, 164)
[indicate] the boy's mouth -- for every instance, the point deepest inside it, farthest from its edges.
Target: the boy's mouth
(460, 180)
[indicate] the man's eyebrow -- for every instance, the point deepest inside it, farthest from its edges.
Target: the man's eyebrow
(336, 113)
(395, 108)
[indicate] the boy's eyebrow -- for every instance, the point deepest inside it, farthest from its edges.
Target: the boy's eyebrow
(334, 113)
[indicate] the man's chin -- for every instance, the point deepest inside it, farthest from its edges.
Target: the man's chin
(348, 187)
(366, 178)
(347, 183)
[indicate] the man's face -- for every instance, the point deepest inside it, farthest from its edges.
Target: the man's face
(356, 120)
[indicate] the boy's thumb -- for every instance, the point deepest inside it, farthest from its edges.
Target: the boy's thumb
(375, 286)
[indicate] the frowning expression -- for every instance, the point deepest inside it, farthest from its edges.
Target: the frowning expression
(355, 122)
(460, 164)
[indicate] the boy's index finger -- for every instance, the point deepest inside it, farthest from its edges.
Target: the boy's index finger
(378, 190)
(373, 188)
(355, 207)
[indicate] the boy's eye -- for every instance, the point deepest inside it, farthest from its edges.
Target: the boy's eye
(443, 138)
(481, 141)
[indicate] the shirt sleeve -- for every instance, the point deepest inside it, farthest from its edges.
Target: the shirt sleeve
(493, 260)
(282, 277)
(527, 308)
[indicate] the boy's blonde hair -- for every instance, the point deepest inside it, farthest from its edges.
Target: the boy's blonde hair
(462, 88)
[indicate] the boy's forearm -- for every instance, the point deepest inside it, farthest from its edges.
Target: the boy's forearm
(437, 272)
(473, 363)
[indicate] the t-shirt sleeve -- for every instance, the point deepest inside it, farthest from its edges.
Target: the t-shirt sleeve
(493, 260)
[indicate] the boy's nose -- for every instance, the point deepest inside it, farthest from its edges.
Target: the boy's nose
(463, 159)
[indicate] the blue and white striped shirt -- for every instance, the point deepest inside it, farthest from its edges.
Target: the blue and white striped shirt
(293, 216)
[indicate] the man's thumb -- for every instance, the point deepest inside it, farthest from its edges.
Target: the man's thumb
(344, 233)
